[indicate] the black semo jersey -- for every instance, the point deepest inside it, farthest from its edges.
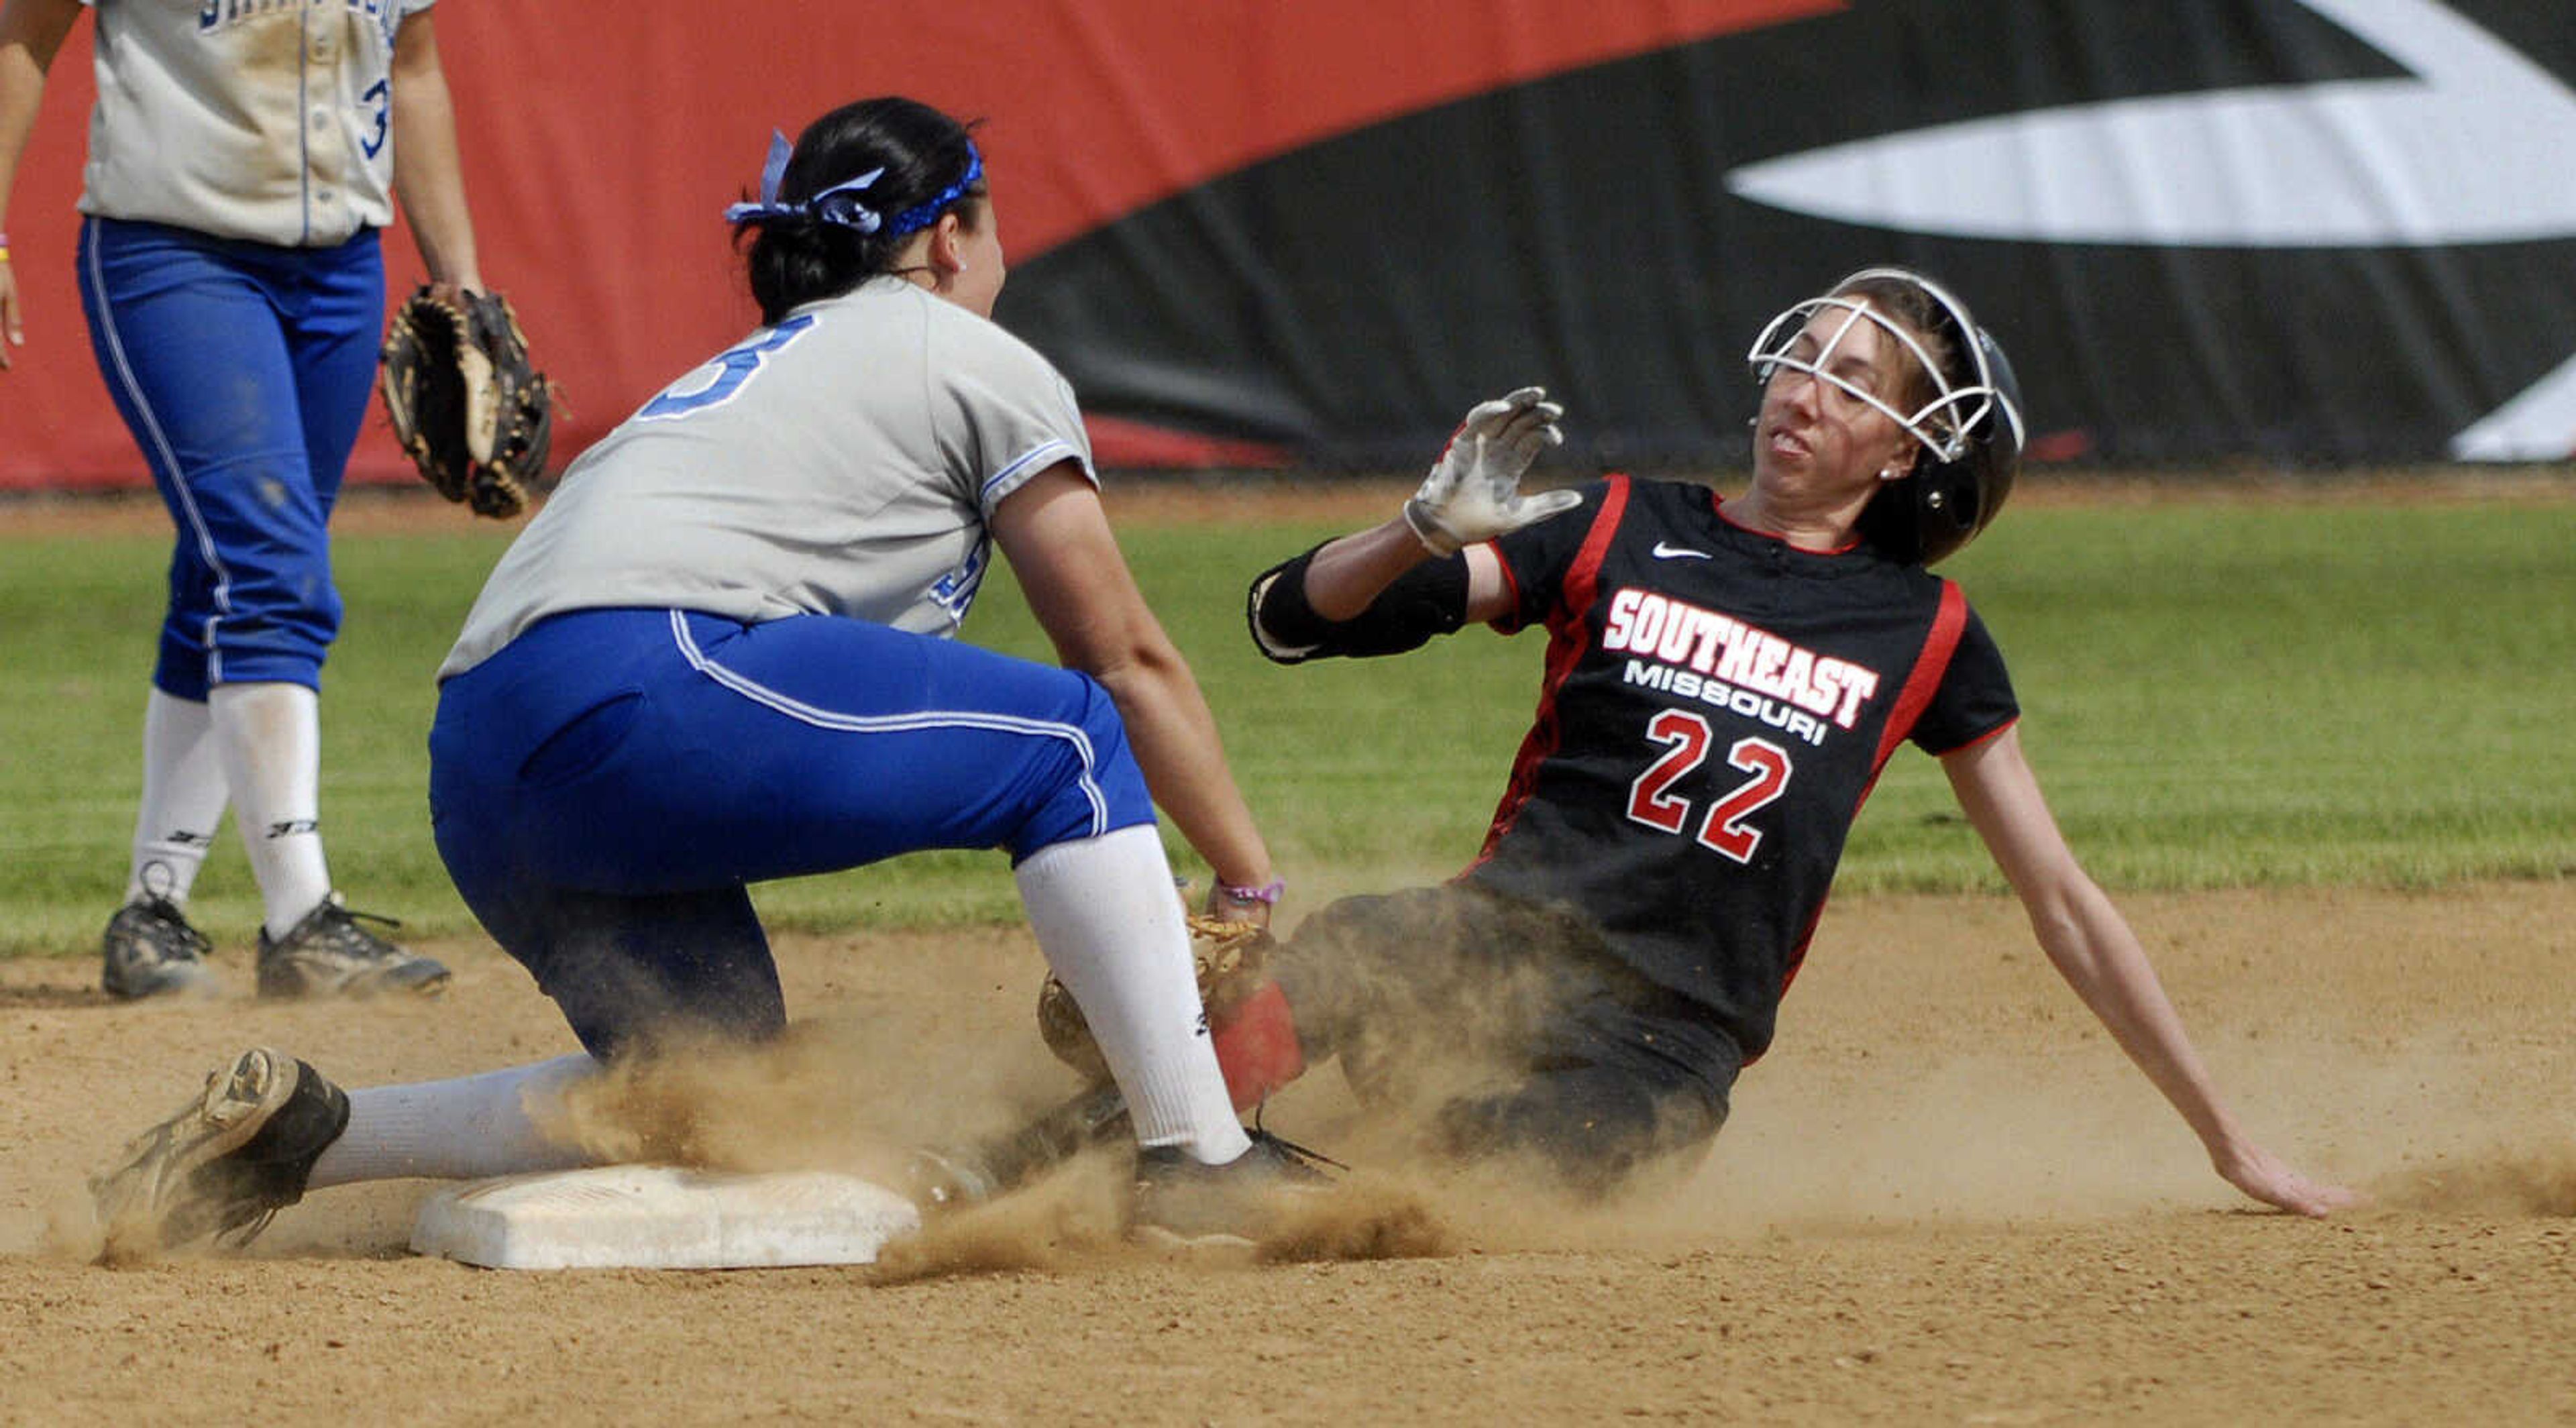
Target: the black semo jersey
(1717, 704)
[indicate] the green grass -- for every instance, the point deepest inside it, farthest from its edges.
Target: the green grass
(2216, 694)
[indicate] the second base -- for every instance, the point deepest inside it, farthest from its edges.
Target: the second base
(662, 1217)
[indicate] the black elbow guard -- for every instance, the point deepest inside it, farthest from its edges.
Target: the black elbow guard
(1430, 599)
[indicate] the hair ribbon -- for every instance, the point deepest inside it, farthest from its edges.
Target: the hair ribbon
(840, 204)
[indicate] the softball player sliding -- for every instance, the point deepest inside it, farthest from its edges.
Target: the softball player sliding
(242, 157)
(719, 656)
(1724, 682)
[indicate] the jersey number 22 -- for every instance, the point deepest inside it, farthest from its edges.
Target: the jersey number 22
(1652, 802)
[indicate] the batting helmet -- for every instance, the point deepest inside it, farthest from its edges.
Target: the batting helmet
(1968, 435)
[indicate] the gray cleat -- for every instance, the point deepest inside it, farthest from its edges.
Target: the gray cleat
(223, 1163)
(149, 950)
(328, 954)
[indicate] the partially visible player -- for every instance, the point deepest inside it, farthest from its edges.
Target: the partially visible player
(722, 654)
(242, 159)
(1724, 681)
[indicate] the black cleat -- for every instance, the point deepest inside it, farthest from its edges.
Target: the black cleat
(329, 955)
(953, 1177)
(1187, 1205)
(149, 950)
(223, 1164)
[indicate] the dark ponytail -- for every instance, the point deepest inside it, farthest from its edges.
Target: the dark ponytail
(799, 256)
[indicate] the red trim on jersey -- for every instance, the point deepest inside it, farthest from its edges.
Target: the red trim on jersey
(1950, 622)
(1930, 664)
(1798, 955)
(1569, 635)
(1717, 507)
(1987, 737)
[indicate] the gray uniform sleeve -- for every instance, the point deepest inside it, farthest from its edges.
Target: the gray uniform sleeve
(1005, 415)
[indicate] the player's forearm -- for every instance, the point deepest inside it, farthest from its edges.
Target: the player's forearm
(22, 90)
(2092, 946)
(1174, 736)
(31, 34)
(1346, 575)
(429, 178)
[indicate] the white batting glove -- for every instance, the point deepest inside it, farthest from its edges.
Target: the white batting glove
(1473, 493)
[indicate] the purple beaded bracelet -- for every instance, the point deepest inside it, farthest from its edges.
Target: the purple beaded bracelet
(1267, 893)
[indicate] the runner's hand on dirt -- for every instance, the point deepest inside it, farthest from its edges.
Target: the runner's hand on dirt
(2268, 1178)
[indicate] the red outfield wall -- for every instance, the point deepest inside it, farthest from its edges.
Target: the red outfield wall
(2301, 231)
(597, 170)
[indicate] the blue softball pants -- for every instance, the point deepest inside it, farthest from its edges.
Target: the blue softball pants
(603, 789)
(243, 371)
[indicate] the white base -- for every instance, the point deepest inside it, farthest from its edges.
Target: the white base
(662, 1217)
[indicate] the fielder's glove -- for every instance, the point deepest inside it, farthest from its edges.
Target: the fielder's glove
(473, 415)
(1232, 960)
(1473, 493)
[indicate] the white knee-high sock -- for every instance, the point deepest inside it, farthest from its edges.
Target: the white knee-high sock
(183, 798)
(1112, 928)
(270, 735)
(465, 1129)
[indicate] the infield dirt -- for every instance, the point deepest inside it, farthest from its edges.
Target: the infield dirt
(1944, 1197)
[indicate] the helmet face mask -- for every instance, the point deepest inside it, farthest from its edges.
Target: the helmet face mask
(1968, 435)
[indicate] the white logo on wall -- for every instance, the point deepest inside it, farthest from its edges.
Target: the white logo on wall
(2451, 156)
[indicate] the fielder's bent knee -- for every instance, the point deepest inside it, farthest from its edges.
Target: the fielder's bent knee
(1094, 783)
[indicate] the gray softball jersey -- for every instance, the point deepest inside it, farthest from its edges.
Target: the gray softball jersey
(270, 120)
(843, 461)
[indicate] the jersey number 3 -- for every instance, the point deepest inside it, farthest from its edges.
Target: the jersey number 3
(736, 366)
(1652, 802)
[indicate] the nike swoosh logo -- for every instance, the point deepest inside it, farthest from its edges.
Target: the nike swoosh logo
(2442, 157)
(1678, 552)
